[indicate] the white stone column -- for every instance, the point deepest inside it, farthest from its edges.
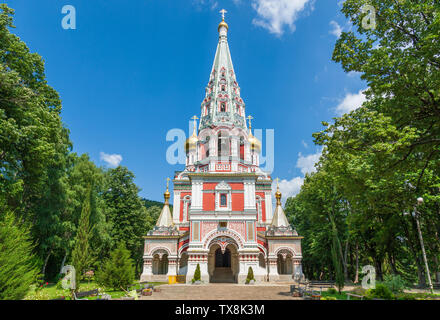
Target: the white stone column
(273, 270)
(268, 202)
(193, 260)
(197, 195)
(172, 266)
(147, 271)
(176, 207)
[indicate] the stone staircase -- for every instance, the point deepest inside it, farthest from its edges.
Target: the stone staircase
(222, 275)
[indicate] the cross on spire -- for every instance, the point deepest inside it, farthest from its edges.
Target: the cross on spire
(195, 123)
(250, 121)
(168, 182)
(278, 186)
(223, 11)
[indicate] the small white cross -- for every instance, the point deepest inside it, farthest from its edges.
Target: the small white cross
(223, 11)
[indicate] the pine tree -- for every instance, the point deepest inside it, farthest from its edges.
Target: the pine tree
(118, 271)
(17, 270)
(81, 256)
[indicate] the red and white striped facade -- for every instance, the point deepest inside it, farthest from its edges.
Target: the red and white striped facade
(222, 201)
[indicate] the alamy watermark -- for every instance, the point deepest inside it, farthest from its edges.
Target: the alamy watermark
(69, 20)
(220, 144)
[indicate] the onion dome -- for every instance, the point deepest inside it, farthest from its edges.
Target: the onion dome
(253, 141)
(191, 142)
(223, 24)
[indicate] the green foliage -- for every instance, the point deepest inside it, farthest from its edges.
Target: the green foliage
(118, 271)
(197, 275)
(33, 141)
(377, 159)
(17, 270)
(250, 275)
(332, 291)
(395, 283)
(125, 211)
(380, 292)
(82, 256)
(339, 276)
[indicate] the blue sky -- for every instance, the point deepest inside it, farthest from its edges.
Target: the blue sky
(133, 70)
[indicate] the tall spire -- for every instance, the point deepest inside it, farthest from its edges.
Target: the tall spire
(222, 104)
(279, 218)
(165, 218)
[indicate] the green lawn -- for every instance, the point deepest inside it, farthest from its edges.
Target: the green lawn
(398, 296)
(52, 291)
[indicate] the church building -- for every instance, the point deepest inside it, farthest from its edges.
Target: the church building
(222, 217)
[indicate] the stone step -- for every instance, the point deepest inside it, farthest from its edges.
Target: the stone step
(222, 275)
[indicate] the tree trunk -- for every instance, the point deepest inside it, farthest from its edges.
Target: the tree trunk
(356, 276)
(63, 262)
(43, 271)
(345, 262)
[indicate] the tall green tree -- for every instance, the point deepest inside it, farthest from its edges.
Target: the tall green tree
(82, 256)
(17, 263)
(33, 141)
(125, 211)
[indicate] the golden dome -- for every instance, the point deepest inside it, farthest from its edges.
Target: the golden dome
(223, 24)
(278, 194)
(191, 143)
(254, 142)
(167, 194)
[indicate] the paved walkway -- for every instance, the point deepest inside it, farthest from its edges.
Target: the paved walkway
(222, 291)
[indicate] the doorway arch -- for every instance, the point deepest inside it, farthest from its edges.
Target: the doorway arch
(223, 262)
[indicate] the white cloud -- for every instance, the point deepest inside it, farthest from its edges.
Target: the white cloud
(290, 188)
(273, 15)
(337, 29)
(351, 102)
(201, 3)
(304, 144)
(113, 160)
(307, 163)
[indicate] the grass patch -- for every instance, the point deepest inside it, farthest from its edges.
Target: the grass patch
(53, 291)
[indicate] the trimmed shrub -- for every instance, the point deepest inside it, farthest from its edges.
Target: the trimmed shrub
(197, 275)
(250, 275)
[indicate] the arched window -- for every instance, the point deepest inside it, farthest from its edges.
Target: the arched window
(223, 200)
(223, 88)
(222, 106)
(223, 145)
(186, 208)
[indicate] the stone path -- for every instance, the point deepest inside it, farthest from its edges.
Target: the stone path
(222, 291)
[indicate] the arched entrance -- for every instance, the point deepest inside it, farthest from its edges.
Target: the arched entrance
(223, 264)
(222, 260)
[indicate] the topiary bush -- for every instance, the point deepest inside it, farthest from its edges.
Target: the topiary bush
(197, 275)
(250, 275)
